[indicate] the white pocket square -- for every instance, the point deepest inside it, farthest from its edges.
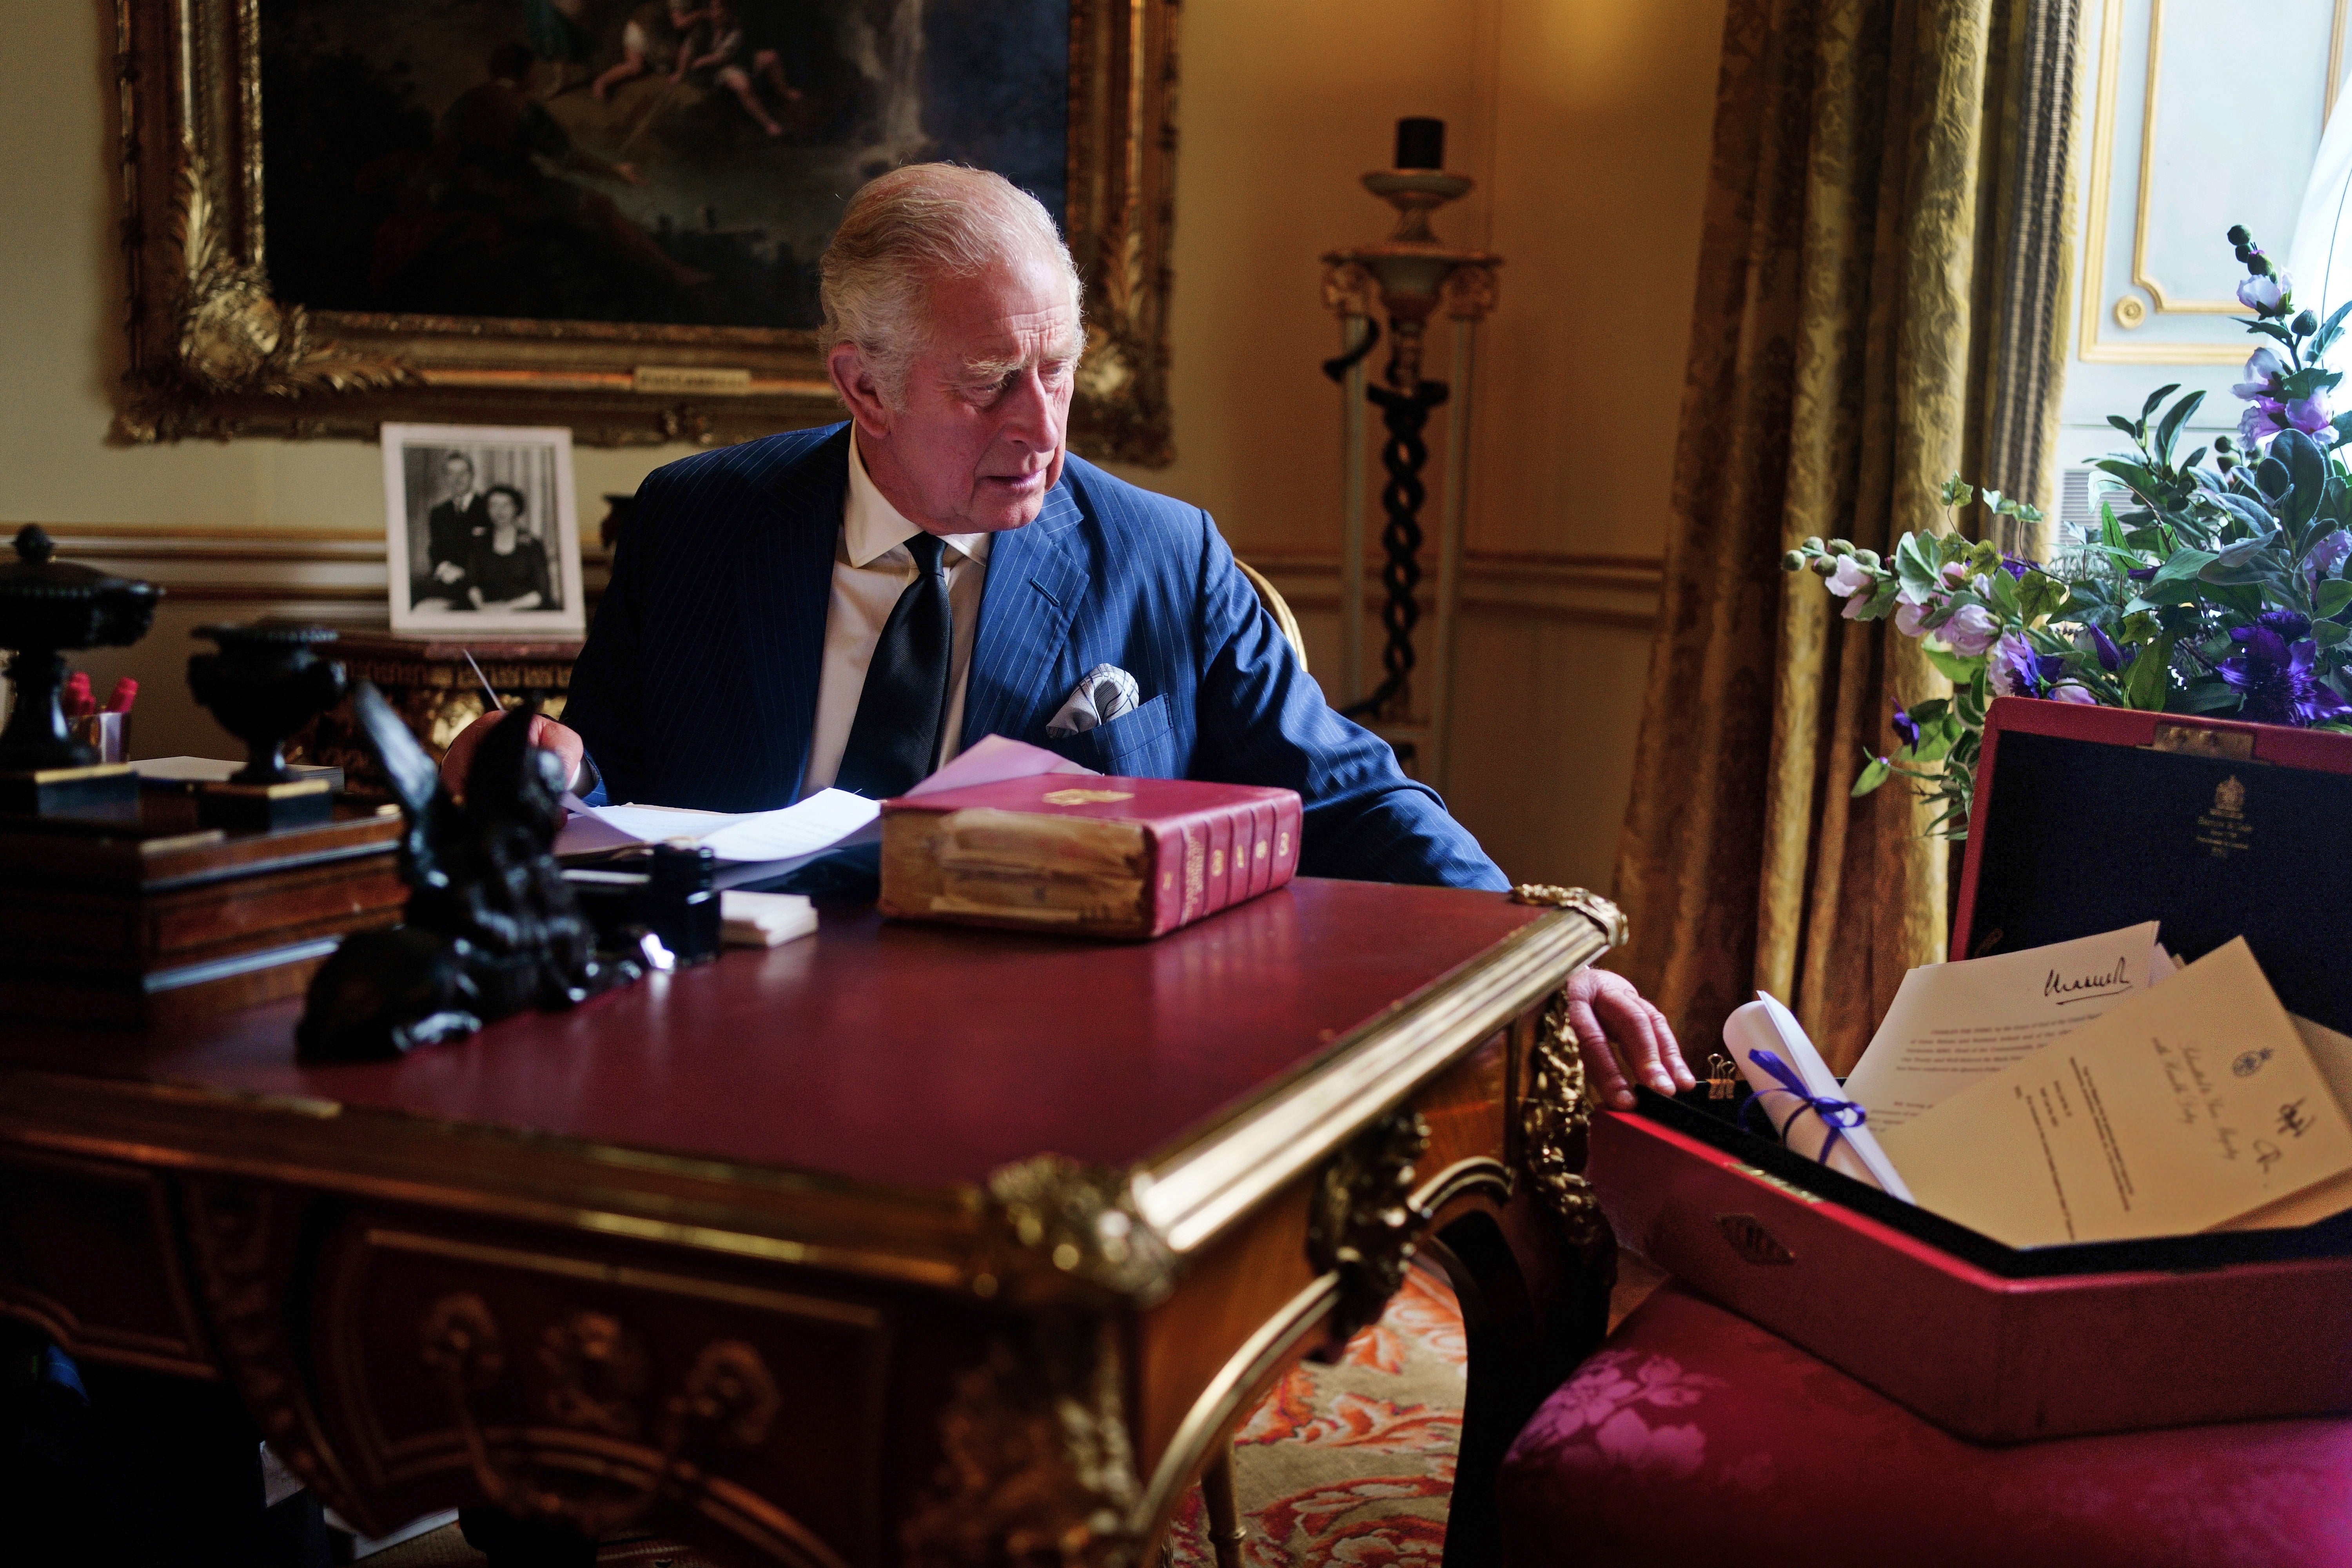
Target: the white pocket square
(1107, 692)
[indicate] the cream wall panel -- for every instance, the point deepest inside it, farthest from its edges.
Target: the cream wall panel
(1586, 122)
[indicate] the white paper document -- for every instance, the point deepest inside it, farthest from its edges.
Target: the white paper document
(1764, 1028)
(2174, 1111)
(1954, 1025)
(2333, 1052)
(780, 841)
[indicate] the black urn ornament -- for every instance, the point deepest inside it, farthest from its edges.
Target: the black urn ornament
(265, 683)
(49, 608)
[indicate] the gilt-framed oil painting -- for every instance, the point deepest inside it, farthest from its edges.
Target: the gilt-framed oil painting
(604, 215)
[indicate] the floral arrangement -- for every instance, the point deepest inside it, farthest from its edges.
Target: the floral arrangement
(2220, 590)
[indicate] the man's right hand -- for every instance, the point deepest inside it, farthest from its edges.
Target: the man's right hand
(447, 572)
(545, 734)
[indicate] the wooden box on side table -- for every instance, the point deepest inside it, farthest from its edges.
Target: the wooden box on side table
(161, 922)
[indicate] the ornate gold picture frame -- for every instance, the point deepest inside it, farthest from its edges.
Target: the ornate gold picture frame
(214, 354)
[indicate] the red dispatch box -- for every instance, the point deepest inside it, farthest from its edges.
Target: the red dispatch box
(2086, 819)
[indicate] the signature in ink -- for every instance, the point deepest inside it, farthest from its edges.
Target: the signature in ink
(2293, 1121)
(2085, 987)
(2267, 1154)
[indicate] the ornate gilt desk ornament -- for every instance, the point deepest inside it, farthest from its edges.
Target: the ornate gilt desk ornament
(264, 683)
(1410, 277)
(491, 926)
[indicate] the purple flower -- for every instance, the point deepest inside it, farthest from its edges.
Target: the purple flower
(2140, 573)
(2017, 568)
(2018, 671)
(2110, 657)
(2073, 692)
(2289, 624)
(2261, 371)
(2308, 415)
(1851, 577)
(2275, 680)
(2329, 554)
(1910, 615)
(2262, 295)
(2262, 419)
(1971, 631)
(1909, 727)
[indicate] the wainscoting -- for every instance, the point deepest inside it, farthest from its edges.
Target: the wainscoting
(1554, 648)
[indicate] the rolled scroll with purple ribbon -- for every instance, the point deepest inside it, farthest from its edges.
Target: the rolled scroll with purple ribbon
(1800, 1098)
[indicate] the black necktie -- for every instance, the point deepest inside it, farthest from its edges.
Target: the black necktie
(905, 703)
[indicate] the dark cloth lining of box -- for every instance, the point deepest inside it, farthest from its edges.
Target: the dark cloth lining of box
(2093, 837)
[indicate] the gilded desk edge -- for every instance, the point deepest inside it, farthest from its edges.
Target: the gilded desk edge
(963, 1238)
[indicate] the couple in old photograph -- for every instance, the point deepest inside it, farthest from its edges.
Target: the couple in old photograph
(483, 551)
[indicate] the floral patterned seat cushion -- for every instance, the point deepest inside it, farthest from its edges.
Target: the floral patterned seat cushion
(1695, 1438)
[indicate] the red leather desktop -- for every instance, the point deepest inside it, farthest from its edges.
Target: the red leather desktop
(791, 1255)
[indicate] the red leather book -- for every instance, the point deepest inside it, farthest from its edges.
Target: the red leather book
(1093, 856)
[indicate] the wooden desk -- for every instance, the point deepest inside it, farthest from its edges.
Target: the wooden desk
(900, 1244)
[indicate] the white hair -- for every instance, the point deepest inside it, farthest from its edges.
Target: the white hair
(907, 228)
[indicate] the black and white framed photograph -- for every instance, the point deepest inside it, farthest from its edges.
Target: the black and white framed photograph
(481, 531)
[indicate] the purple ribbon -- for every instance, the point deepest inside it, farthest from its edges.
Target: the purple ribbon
(1836, 1114)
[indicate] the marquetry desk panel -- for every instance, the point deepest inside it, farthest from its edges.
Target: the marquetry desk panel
(898, 1245)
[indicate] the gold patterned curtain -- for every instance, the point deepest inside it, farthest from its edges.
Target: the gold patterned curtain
(1861, 288)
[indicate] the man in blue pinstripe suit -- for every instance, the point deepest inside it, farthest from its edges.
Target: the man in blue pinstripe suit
(845, 607)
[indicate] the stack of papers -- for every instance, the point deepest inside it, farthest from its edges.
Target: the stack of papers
(760, 846)
(2091, 1090)
(765, 920)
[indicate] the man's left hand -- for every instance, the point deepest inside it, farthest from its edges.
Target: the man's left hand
(1624, 1040)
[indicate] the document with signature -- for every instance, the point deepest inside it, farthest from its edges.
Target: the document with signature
(1954, 1024)
(2333, 1052)
(2174, 1111)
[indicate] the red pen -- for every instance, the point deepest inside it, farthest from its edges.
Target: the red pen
(126, 692)
(76, 699)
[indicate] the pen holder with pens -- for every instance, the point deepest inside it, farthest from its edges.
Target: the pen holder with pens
(48, 608)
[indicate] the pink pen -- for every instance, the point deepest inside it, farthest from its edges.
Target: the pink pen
(126, 692)
(76, 700)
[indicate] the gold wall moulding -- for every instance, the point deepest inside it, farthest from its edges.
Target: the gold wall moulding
(2131, 311)
(216, 353)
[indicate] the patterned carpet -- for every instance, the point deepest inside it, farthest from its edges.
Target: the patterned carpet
(1352, 1463)
(1348, 1466)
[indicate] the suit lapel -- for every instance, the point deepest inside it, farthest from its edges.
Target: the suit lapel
(786, 594)
(1035, 580)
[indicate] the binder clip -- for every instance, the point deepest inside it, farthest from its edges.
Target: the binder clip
(1722, 1077)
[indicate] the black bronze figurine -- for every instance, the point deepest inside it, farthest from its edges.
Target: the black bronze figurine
(491, 928)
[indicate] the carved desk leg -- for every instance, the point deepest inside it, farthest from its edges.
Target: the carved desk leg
(1532, 1271)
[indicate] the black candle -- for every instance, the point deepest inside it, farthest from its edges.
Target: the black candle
(1421, 144)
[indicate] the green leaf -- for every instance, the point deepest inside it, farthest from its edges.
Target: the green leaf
(2205, 697)
(2158, 395)
(2328, 634)
(2332, 597)
(2183, 567)
(2111, 532)
(1878, 773)
(2124, 425)
(2325, 339)
(2174, 418)
(1954, 668)
(2146, 678)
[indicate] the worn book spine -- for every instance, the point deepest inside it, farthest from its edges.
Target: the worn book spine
(1128, 876)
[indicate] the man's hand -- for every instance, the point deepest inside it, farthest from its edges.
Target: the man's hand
(447, 572)
(545, 734)
(1623, 1039)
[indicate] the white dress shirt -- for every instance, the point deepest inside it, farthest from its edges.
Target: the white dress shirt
(871, 567)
